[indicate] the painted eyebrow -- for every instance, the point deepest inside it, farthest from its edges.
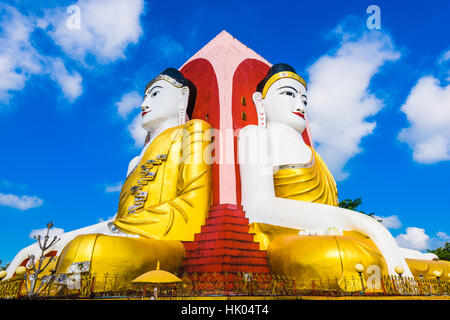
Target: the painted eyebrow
(154, 88)
(289, 88)
(304, 96)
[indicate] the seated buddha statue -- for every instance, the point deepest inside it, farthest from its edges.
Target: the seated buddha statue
(290, 196)
(166, 195)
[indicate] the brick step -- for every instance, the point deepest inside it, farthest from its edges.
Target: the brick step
(225, 245)
(225, 227)
(190, 245)
(220, 244)
(225, 235)
(226, 220)
(226, 213)
(226, 206)
(225, 267)
(225, 259)
(224, 252)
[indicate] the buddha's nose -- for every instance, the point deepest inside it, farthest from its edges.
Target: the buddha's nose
(300, 109)
(144, 107)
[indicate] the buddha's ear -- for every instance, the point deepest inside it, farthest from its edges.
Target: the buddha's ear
(182, 106)
(258, 101)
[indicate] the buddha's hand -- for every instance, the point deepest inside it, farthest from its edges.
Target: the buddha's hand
(331, 231)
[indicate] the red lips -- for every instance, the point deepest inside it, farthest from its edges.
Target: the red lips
(144, 113)
(301, 115)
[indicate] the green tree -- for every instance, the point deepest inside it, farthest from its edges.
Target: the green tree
(353, 205)
(443, 253)
(350, 204)
(3, 267)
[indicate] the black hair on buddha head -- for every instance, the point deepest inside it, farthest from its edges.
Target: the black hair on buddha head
(276, 68)
(284, 71)
(176, 78)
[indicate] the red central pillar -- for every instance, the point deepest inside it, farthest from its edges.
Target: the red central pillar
(226, 74)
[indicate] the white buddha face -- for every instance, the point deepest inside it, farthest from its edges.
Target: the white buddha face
(162, 101)
(285, 103)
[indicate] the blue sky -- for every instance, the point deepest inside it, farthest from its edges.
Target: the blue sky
(379, 102)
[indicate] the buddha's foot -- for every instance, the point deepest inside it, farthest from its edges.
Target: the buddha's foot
(326, 262)
(429, 270)
(125, 257)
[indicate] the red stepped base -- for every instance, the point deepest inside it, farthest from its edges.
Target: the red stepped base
(225, 245)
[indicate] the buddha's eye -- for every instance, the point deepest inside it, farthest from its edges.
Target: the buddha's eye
(155, 93)
(305, 102)
(289, 93)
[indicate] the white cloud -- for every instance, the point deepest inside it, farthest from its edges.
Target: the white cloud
(42, 232)
(70, 84)
(20, 202)
(107, 27)
(18, 59)
(391, 222)
(415, 238)
(114, 188)
(340, 99)
(137, 132)
(129, 102)
(444, 57)
(427, 109)
(443, 236)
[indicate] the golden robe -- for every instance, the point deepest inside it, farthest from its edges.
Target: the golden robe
(164, 200)
(311, 182)
(167, 196)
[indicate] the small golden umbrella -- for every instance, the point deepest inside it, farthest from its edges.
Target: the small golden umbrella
(156, 276)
